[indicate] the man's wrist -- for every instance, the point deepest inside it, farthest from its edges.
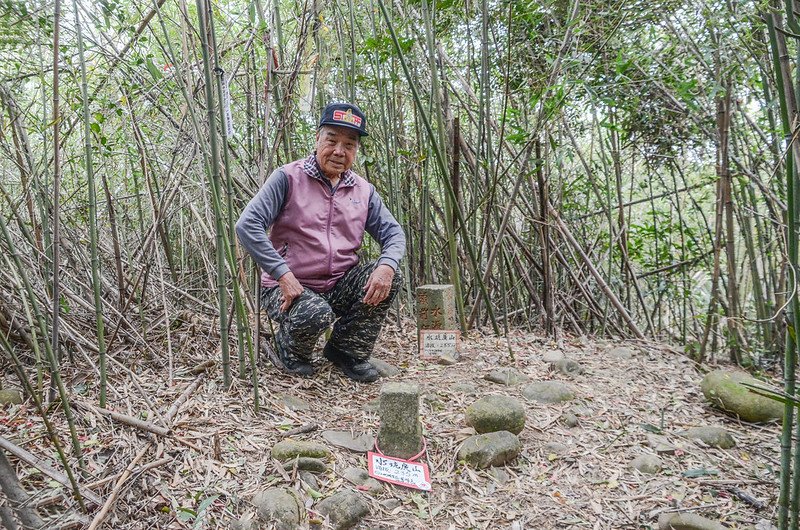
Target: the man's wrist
(389, 262)
(280, 271)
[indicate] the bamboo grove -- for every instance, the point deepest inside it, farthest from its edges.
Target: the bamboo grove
(618, 168)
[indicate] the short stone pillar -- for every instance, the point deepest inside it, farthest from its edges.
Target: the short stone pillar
(400, 433)
(436, 307)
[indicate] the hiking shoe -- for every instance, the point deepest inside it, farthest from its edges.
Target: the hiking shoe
(288, 365)
(357, 370)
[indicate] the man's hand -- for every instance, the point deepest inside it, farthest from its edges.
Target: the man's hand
(290, 289)
(378, 285)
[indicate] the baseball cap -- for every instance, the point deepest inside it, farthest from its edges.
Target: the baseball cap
(344, 115)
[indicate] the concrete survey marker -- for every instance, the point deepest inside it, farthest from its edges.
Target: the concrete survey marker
(436, 307)
(400, 433)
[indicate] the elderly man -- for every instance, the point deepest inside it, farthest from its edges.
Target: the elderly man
(317, 210)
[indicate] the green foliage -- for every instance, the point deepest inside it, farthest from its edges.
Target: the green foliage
(383, 47)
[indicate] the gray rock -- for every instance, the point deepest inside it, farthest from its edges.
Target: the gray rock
(246, 522)
(289, 448)
(581, 411)
(506, 376)
(621, 353)
(384, 369)
(724, 390)
(343, 509)
(763, 524)
(491, 449)
(279, 507)
(400, 433)
(10, 396)
(548, 392)
(465, 388)
(496, 413)
(363, 481)
(570, 420)
(390, 504)
(555, 448)
(304, 463)
(371, 406)
(294, 403)
(569, 367)
(552, 356)
(431, 398)
(660, 444)
(359, 444)
(309, 478)
(499, 475)
(686, 521)
(446, 359)
(711, 436)
(647, 464)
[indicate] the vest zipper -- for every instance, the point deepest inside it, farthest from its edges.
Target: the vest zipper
(330, 247)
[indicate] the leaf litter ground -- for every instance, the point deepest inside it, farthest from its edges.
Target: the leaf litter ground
(218, 456)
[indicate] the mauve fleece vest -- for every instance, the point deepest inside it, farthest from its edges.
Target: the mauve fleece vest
(318, 233)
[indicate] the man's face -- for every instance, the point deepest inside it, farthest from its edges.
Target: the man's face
(336, 149)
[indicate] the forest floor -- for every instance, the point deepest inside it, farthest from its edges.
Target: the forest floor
(218, 453)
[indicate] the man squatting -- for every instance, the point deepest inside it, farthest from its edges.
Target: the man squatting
(317, 210)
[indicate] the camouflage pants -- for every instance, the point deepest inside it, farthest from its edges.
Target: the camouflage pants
(356, 329)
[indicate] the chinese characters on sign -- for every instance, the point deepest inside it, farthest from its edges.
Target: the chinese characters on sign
(434, 343)
(402, 472)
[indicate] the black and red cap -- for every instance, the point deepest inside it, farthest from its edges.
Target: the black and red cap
(344, 115)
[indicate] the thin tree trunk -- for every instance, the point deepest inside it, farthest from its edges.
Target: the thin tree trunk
(544, 234)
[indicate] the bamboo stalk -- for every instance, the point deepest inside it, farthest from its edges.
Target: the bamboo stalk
(212, 172)
(786, 99)
(56, 222)
(95, 259)
(438, 157)
(450, 198)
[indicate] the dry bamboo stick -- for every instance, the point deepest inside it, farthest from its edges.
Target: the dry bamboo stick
(173, 410)
(565, 231)
(59, 477)
(101, 515)
(138, 471)
(130, 421)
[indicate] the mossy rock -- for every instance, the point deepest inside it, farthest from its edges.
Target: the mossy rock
(711, 436)
(686, 521)
(304, 463)
(10, 396)
(647, 464)
(289, 449)
(490, 449)
(344, 509)
(724, 390)
(280, 507)
(548, 392)
(361, 479)
(496, 413)
(506, 376)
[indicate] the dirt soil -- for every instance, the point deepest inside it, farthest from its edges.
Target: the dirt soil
(218, 453)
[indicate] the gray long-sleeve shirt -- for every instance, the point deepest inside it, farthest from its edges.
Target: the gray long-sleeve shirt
(263, 209)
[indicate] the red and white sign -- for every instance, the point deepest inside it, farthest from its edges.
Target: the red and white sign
(398, 471)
